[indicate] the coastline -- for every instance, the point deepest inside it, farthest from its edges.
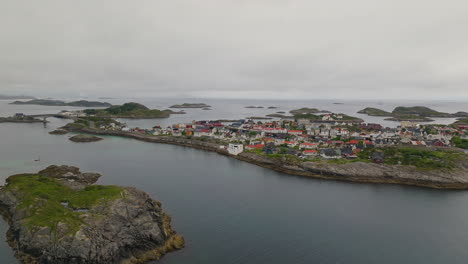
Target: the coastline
(386, 174)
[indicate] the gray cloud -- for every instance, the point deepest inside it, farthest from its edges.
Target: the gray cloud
(235, 48)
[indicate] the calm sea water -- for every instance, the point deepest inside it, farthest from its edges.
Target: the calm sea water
(234, 212)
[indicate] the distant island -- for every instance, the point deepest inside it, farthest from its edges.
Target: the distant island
(47, 102)
(374, 112)
(58, 132)
(131, 110)
(85, 138)
(16, 97)
(253, 106)
(306, 110)
(461, 114)
(187, 105)
(57, 215)
(414, 113)
(279, 115)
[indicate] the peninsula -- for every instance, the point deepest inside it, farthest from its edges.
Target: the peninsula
(58, 216)
(340, 150)
(187, 105)
(131, 110)
(46, 102)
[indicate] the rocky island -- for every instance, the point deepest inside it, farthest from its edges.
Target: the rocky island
(21, 118)
(58, 216)
(306, 110)
(85, 138)
(131, 110)
(46, 102)
(187, 105)
(374, 112)
(58, 132)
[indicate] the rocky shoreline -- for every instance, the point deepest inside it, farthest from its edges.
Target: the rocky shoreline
(54, 219)
(354, 172)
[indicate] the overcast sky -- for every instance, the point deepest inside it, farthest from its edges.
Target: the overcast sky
(238, 48)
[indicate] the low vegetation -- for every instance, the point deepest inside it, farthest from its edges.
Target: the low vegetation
(423, 158)
(49, 202)
(462, 121)
(418, 110)
(460, 142)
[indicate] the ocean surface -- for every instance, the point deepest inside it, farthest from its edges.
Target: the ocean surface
(234, 212)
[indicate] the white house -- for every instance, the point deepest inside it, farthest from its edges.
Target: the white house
(310, 152)
(307, 145)
(295, 132)
(235, 149)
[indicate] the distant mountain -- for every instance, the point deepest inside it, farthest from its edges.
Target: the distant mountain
(15, 97)
(47, 102)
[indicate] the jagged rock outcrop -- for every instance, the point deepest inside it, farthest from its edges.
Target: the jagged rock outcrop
(57, 216)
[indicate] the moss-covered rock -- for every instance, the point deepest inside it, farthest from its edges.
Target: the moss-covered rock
(58, 216)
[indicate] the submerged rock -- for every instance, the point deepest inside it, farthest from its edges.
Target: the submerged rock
(52, 221)
(85, 138)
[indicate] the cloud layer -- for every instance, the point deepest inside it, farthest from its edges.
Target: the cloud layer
(236, 48)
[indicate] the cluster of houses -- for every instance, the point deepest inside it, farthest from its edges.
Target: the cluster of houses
(305, 138)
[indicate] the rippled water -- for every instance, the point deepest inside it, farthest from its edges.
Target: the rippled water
(234, 212)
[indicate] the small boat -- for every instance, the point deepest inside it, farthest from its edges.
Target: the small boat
(38, 159)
